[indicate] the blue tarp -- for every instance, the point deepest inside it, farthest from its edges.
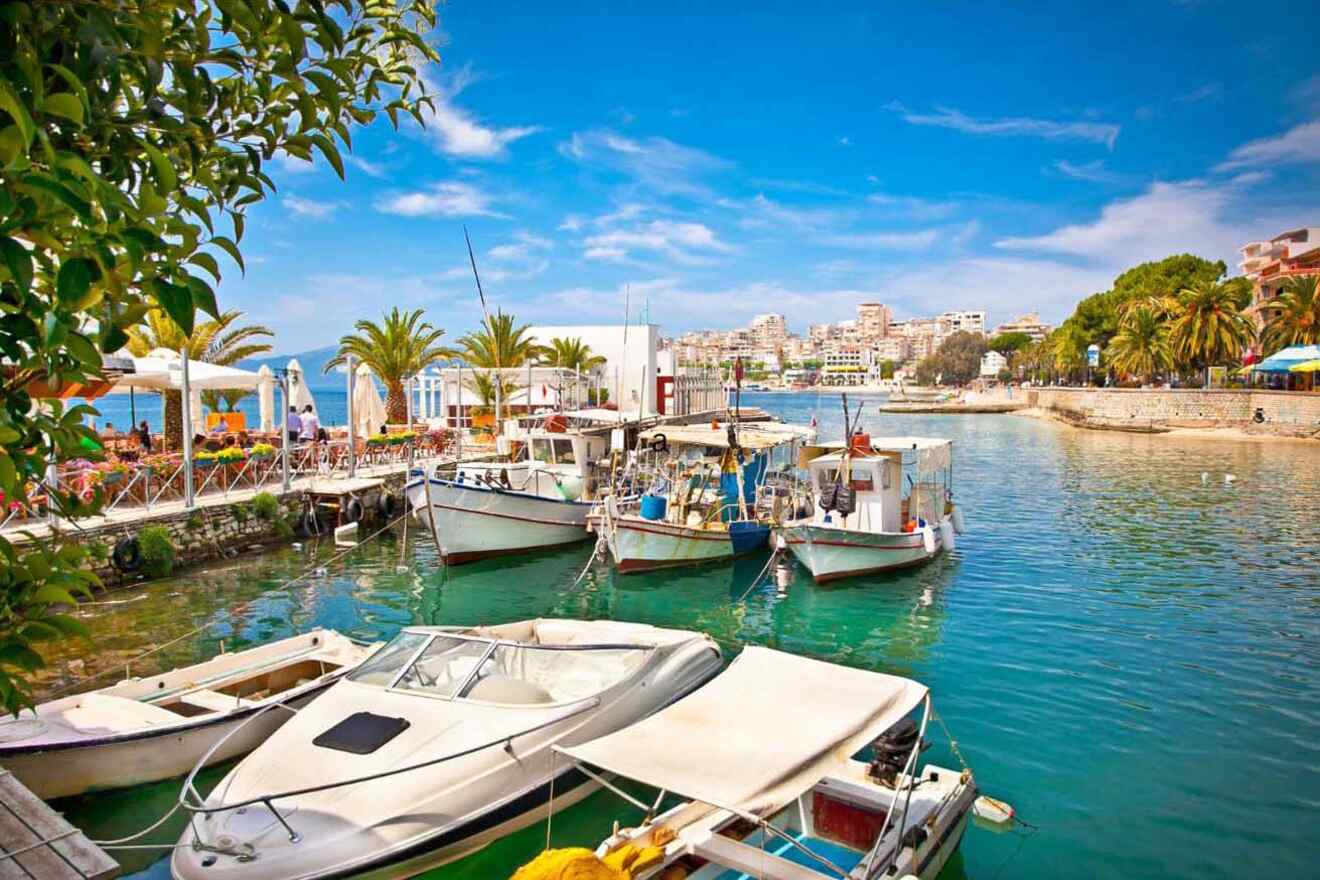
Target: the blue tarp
(1281, 361)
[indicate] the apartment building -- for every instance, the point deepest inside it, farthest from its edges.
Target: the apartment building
(873, 321)
(1269, 264)
(1029, 324)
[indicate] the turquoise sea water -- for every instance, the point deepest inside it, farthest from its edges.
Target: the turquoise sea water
(1128, 654)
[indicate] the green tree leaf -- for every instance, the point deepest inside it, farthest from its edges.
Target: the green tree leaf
(177, 301)
(74, 278)
(64, 104)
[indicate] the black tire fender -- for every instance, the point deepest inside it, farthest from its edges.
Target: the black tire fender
(387, 505)
(127, 555)
(352, 511)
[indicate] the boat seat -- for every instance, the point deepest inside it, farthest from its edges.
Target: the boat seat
(102, 714)
(214, 701)
(503, 689)
(750, 860)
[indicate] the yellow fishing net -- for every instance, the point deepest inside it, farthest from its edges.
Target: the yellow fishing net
(577, 863)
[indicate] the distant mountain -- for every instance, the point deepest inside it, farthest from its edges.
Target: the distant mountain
(313, 363)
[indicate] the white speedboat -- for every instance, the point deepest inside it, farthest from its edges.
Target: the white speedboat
(434, 747)
(701, 504)
(765, 795)
(540, 498)
(879, 504)
(147, 729)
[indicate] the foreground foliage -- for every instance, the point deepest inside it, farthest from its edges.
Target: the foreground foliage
(133, 136)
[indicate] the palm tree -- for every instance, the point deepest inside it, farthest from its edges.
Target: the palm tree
(571, 354)
(400, 347)
(1295, 315)
(499, 345)
(217, 341)
(1208, 327)
(1068, 349)
(1141, 346)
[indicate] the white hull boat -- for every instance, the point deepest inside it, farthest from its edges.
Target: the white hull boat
(435, 746)
(638, 544)
(833, 553)
(535, 501)
(876, 505)
(476, 522)
(794, 805)
(145, 730)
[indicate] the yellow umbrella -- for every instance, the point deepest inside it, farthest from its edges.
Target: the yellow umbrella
(1306, 367)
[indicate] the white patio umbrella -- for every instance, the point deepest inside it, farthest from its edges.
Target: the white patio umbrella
(368, 409)
(266, 399)
(299, 394)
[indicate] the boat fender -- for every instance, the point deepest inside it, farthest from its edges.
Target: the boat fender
(352, 511)
(387, 505)
(959, 524)
(660, 443)
(845, 500)
(946, 534)
(127, 555)
(504, 479)
(827, 497)
(928, 538)
(992, 810)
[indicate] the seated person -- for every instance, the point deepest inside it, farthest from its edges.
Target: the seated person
(143, 433)
(230, 440)
(109, 430)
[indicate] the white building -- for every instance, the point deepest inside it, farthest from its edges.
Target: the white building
(630, 366)
(970, 322)
(1029, 324)
(992, 362)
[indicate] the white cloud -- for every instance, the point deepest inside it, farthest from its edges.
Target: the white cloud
(760, 212)
(311, 207)
(1298, 144)
(1204, 93)
(367, 167)
(523, 247)
(457, 132)
(914, 208)
(844, 141)
(885, 241)
(449, 199)
(1094, 172)
(655, 162)
(946, 117)
(1168, 218)
(685, 243)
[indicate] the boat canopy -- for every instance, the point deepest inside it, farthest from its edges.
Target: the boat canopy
(933, 453)
(758, 436)
(740, 742)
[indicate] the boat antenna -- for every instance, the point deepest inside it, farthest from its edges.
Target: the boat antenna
(618, 386)
(490, 328)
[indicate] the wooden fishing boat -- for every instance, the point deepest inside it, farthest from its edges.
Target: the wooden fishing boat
(702, 498)
(879, 504)
(147, 729)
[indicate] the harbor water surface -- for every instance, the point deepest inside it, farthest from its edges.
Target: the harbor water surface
(1125, 646)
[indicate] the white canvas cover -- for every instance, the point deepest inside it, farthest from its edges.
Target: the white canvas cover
(765, 435)
(368, 408)
(764, 731)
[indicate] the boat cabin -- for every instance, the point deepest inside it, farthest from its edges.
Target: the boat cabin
(541, 462)
(896, 484)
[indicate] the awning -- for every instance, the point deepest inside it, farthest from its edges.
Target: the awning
(1306, 367)
(763, 732)
(1283, 361)
(932, 453)
(760, 435)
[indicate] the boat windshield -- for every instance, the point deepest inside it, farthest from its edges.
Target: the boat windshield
(503, 672)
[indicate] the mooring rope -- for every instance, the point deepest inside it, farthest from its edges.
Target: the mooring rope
(242, 605)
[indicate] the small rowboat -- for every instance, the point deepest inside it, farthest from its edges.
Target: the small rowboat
(147, 729)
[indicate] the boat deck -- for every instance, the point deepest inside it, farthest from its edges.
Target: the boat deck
(36, 843)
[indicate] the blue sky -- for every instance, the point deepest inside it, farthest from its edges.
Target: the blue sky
(723, 161)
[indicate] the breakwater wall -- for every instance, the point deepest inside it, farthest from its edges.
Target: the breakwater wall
(1280, 413)
(215, 530)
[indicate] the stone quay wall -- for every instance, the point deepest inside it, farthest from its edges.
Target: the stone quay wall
(1279, 413)
(212, 531)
